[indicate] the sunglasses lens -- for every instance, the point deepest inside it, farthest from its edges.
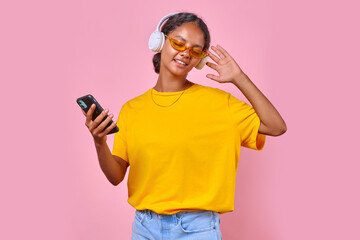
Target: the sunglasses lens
(177, 45)
(197, 53)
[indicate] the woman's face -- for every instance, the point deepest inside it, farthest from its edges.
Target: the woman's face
(192, 36)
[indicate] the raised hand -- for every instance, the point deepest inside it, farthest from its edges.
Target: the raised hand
(225, 65)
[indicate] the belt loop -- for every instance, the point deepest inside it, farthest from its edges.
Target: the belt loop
(149, 213)
(214, 217)
(177, 218)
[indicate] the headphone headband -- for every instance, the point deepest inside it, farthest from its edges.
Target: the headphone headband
(163, 20)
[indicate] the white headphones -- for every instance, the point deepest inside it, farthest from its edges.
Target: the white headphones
(157, 39)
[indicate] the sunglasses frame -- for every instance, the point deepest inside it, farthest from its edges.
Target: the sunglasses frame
(190, 49)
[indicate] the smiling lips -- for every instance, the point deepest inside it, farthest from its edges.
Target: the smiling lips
(180, 63)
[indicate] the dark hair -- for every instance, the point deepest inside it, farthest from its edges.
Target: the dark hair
(176, 21)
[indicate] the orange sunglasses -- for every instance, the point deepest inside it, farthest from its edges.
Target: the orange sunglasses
(179, 46)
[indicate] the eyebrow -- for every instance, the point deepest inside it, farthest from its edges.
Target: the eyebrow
(196, 45)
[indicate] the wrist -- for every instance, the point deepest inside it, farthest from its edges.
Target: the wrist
(240, 79)
(100, 142)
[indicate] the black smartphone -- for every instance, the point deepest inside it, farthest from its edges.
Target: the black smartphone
(85, 103)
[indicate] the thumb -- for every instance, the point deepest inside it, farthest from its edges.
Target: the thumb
(213, 77)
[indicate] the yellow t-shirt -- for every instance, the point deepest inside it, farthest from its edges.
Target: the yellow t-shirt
(185, 157)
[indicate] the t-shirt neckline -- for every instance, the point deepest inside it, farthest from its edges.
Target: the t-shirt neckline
(190, 89)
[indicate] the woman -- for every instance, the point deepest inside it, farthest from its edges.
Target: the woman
(183, 139)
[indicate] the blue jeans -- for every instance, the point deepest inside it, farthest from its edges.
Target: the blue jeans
(199, 225)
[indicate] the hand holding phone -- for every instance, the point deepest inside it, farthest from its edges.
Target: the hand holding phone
(98, 122)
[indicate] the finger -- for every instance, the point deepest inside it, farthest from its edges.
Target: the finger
(103, 125)
(89, 114)
(98, 120)
(109, 128)
(83, 112)
(222, 50)
(94, 124)
(211, 65)
(213, 77)
(213, 57)
(218, 52)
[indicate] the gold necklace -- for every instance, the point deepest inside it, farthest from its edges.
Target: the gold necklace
(170, 104)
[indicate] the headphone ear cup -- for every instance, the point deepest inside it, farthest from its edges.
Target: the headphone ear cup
(156, 41)
(202, 63)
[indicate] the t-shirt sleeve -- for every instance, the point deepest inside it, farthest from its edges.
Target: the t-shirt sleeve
(247, 123)
(120, 141)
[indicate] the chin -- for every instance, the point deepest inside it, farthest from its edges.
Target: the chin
(181, 73)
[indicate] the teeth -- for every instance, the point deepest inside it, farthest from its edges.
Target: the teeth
(180, 62)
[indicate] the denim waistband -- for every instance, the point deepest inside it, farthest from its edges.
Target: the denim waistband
(150, 214)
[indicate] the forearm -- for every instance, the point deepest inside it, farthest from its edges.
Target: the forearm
(110, 167)
(267, 113)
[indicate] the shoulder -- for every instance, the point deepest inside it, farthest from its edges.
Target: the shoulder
(223, 97)
(136, 102)
(216, 92)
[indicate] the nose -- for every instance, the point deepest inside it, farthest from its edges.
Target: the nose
(185, 53)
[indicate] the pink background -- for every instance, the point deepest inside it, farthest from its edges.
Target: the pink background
(304, 56)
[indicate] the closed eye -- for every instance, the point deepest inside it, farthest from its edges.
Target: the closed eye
(197, 50)
(178, 43)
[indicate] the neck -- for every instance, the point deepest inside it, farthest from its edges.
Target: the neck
(171, 83)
